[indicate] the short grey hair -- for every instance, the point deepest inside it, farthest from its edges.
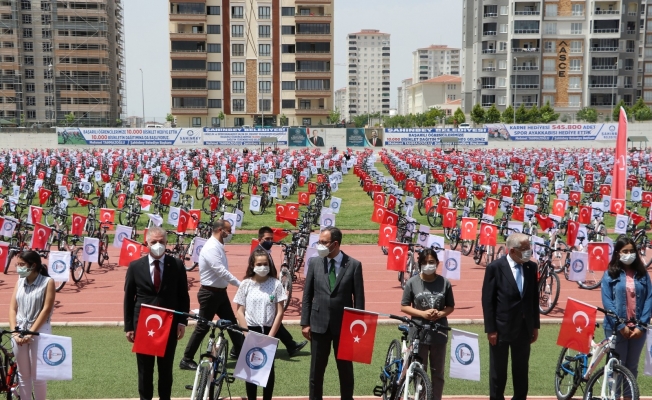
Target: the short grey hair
(516, 239)
(157, 230)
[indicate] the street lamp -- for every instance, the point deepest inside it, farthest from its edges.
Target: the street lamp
(142, 87)
(515, 68)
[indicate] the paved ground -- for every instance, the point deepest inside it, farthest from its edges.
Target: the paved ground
(99, 297)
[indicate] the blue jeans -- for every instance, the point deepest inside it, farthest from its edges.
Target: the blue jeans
(629, 351)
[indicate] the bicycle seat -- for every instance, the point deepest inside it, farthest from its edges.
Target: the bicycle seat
(404, 328)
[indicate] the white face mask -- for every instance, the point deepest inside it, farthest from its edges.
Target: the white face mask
(228, 238)
(429, 269)
(157, 250)
(322, 250)
(627, 259)
(525, 255)
(261, 270)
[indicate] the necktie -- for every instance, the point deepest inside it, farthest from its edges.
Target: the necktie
(519, 280)
(331, 274)
(157, 275)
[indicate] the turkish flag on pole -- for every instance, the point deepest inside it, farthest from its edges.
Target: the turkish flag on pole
(528, 198)
(107, 215)
(578, 326)
(450, 217)
(585, 215)
(559, 207)
(379, 213)
(153, 330)
(357, 336)
(518, 213)
(390, 218)
(129, 252)
(43, 195)
(304, 198)
(379, 199)
(166, 196)
(572, 231)
(78, 224)
(488, 234)
(36, 214)
(617, 206)
(184, 217)
(40, 236)
(397, 256)
(598, 256)
(469, 228)
(619, 180)
(492, 206)
(386, 234)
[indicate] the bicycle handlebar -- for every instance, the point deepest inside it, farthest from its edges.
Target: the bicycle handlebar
(612, 314)
(220, 324)
(21, 332)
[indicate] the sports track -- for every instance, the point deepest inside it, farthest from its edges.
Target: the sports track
(99, 296)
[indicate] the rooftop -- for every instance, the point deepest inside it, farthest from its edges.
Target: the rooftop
(444, 79)
(438, 47)
(369, 32)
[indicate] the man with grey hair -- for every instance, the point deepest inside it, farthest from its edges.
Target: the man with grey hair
(510, 305)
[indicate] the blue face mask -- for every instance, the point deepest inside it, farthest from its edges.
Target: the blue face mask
(24, 271)
(267, 244)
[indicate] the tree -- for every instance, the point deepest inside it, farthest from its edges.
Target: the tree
(533, 115)
(169, 117)
(492, 115)
(521, 115)
(360, 120)
(616, 113)
(282, 119)
(587, 114)
(118, 122)
(334, 117)
(420, 120)
(433, 116)
(459, 116)
(478, 114)
(643, 114)
(548, 114)
(69, 118)
(508, 115)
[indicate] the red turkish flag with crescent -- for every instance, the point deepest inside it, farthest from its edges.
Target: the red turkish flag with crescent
(391, 202)
(494, 187)
(469, 228)
(442, 203)
(544, 221)
(559, 207)
(427, 203)
(491, 207)
(78, 224)
(148, 190)
(379, 199)
(418, 193)
(528, 198)
(312, 187)
(166, 196)
(195, 217)
(598, 256)
(130, 251)
(574, 198)
(121, 200)
(578, 326)
(585, 215)
(213, 202)
(184, 218)
(43, 195)
(506, 191)
(357, 336)
(518, 213)
(378, 214)
(605, 190)
(304, 198)
(36, 214)
(462, 193)
(107, 215)
(386, 234)
(646, 199)
(40, 236)
(4, 251)
(618, 206)
(450, 217)
(488, 234)
(572, 231)
(153, 330)
(588, 186)
(390, 218)
(397, 256)
(410, 185)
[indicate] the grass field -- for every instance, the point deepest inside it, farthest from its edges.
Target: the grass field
(104, 367)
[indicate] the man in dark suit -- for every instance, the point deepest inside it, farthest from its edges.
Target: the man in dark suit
(510, 305)
(375, 140)
(265, 242)
(316, 140)
(157, 280)
(334, 281)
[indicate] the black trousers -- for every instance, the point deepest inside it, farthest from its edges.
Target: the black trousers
(320, 350)
(165, 364)
(498, 361)
(211, 304)
(252, 389)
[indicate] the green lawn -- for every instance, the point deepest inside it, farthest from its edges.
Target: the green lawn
(104, 367)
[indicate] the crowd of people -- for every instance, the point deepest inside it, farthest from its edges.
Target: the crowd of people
(334, 281)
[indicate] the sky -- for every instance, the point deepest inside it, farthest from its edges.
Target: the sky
(411, 23)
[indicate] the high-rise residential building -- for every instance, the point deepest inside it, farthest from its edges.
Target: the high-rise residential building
(258, 62)
(435, 60)
(572, 54)
(402, 99)
(368, 89)
(62, 58)
(443, 92)
(340, 103)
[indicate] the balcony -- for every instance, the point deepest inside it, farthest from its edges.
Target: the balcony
(189, 73)
(525, 104)
(525, 31)
(189, 92)
(606, 12)
(315, 18)
(525, 86)
(527, 13)
(489, 33)
(313, 34)
(188, 36)
(604, 49)
(488, 69)
(488, 51)
(311, 111)
(188, 55)
(313, 74)
(490, 14)
(525, 68)
(314, 92)
(190, 111)
(603, 67)
(526, 50)
(183, 17)
(489, 86)
(606, 30)
(305, 2)
(602, 85)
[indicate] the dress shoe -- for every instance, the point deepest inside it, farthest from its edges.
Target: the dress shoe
(233, 354)
(187, 364)
(297, 348)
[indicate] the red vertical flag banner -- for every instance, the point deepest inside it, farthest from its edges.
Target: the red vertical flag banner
(578, 326)
(357, 336)
(397, 256)
(619, 181)
(153, 330)
(598, 256)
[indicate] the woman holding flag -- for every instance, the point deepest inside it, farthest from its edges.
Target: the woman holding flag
(429, 297)
(30, 309)
(627, 291)
(260, 307)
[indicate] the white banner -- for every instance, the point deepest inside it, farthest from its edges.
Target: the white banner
(409, 137)
(173, 216)
(452, 265)
(254, 203)
(578, 265)
(423, 235)
(327, 219)
(240, 216)
(59, 265)
(621, 224)
(8, 227)
(243, 136)
(335, 205)
(130, 137)
(256, 358)
(54, 358)
(552, 132)
(465, 356)
(91, 251)
(121, 233)
(233, 219)
(198, 244)
(155, 219)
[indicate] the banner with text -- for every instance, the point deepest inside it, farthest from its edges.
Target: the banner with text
(130, 137)
(243, 136)
(552, 132)
(297, 137)
(360, 137)
(433, 136)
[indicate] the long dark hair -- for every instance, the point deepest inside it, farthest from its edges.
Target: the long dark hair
(33, 258)
(615, 266)
(252, 259)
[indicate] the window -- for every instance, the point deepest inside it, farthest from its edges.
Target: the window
(215, 122)
(291, 103)
(29, 60)
(503, 28)
(238, 86)
(196, 121)
(502, 100)
(265, 87)
(28, 46)
(214, 103)
(549, 64)
(264, 12)
(27, 18)
(576, 46)
(45, 19)
(551, 10)
(237, 12)
(648, 67)
(214, 66)
(214, 85)
(48, 87)
(31, 114)
(575, 64)
(548, 82)
(47, 61)
(264, 69)
(47, 74)
(264, 31)
(27, 33)
(574, 101)
(549, 99)
(30, 100)
(46, 33)
(647, 95)
(237, 68)
(288, 85)
(504, 10)
(47, 47)
(291, 48)
(238, 105)
(213, 10)
(237, 50)
(213, 29)
(550, 28)
(574, 82)
(288, 67)
(287, 11)
(502, 46)
(265, 105)
(49, 101)
(306, 121)
(29, 74)
(30, 87)
(238, 121)
(264, 50)
(25, 5)
(502, 64)
(237, 31)
(502, 82)
(648, 81)
(578, 10)
(548, 47)
(214, 48)
(576, 28)
(287, 30)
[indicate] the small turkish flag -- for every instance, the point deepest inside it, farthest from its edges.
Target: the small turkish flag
(585, 215)
(357, 336)
(559, 207)
(442, 203)
(450, 217)
(588, 186)
(379, 199)
(518, 213)
(646, 198)
(166, 196)
(213, 202)
(36, 214)
(390, 218)
(121, 200)
(40, 236)
(312, 187)
(304, 198)
(418, 193)
(544, 222)
(492, 206)
(528, 199)
(254, 244)
(4, 252)
(153, 330)
(397, 256)
(462, 193)
(605, 190)
(279, 234)
(78, 224)
(427, 203)
(130, 251)
(469, 228)
(598, 256)
(575, 198)
(378, 214)
(195, 217)
(391, 202)
(386, 234)
(410, 185)
(578, 326)
(43, 195)
(506, 191)
(488, 234)
(494, 187)
(302, 181)
(184, 217)
(366, 187)
(148, 190)
(144, 203)
(107, 215)
(636, 219)
(618, 206)
(572, 231)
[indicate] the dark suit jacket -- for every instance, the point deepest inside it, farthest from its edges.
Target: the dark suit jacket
(139, 289)
(502, 305)
(317, 141)
(323, 310)
(379, 142)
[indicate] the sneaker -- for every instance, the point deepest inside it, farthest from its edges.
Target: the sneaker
(187, 364)
(297, 348)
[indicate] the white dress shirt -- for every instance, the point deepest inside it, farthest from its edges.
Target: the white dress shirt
(338, 263)
(512, 265)
(214, 267)
(151, 267)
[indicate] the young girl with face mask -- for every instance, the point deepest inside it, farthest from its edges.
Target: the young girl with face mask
(429, 297)
(627, 290)
(260, 307)
(30, 309)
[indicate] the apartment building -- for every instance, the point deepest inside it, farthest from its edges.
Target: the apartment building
(443, 92)
(402, 99)
(571, 53)
(62, 57)
(258, 62)
(435, 60)
(368, 87)
(340, 103)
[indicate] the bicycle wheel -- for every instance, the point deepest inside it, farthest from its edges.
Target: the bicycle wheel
(205, 367)
(219, 372)
(489, 255)
(624, 383)
(286, 282)
(390, 370)
(59, 285)
(592, 280)
(467, 247)
(410, 269)
(419, 386)
(77, 266)
(548, 293)
(479, 254)
(558, 260)
(434, 218)
(454, 237)
(568, 374)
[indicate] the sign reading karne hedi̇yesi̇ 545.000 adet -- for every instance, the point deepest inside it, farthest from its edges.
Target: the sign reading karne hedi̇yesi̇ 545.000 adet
(130, 136)
(550, 132)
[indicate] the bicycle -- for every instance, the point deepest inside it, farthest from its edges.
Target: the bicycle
(9, 379)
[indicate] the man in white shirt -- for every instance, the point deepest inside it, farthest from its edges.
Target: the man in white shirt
(215, 277)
